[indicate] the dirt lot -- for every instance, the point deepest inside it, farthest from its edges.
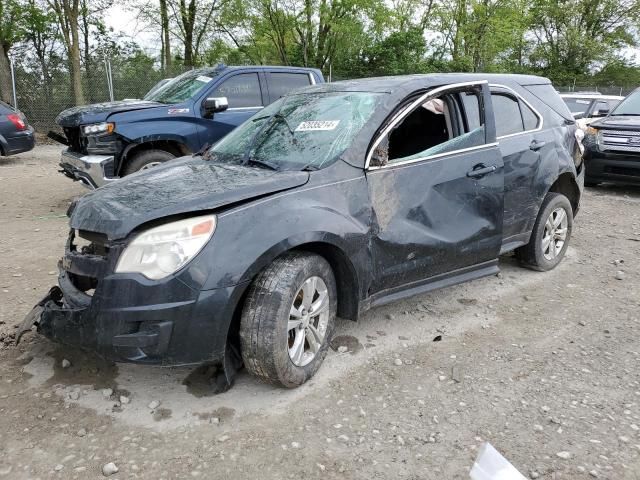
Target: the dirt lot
(536, 363)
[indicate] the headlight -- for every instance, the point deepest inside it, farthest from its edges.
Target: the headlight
(161, 251)
(98, 128)
(593, 136)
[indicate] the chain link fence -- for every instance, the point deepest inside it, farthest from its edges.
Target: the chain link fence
(43, 95)
(602, 89)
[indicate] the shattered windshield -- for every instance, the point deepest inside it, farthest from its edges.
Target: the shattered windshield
(299, 131)
(181, 88)
(629, 106)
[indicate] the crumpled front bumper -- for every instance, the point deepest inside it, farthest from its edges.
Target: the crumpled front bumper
(65, 320)
(121, 322)
(93, 171)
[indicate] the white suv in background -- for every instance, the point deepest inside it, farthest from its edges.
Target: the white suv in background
(587, 106)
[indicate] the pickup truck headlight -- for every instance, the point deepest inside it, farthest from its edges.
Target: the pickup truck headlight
(161, 251)
(98, 128)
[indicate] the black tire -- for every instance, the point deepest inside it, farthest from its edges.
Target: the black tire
(532, 255)
(140, 160)
(264, 336)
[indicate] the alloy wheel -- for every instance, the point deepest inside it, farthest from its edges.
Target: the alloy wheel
(150, 165)
(308, 320)
(555, 233)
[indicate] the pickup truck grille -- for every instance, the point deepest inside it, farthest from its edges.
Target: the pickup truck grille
(76, 143)
(620, 140)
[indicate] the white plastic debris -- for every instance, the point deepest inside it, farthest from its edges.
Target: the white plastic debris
(490, 465)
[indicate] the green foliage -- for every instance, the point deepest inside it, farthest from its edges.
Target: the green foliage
(574, 42)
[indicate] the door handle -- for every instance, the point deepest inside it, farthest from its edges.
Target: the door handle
(481, 170)
(537, 145)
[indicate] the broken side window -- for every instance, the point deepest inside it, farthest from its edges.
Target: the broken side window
(444, 124)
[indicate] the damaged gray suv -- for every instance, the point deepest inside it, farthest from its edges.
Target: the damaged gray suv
(330, 201)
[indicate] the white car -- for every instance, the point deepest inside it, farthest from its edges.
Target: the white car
(587, 106)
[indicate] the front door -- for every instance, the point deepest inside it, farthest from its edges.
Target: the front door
(245, 96)
(436, 185)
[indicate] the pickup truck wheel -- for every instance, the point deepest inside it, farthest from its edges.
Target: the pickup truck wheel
(146, 159)
(288, 319)
(550, 236)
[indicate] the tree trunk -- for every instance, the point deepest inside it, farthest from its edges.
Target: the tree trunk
(88, 67)
(68, 12)
(188, 18)
(6, 86)
(74, 61)
(166, 40)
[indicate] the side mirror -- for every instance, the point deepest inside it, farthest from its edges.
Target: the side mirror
(600, 113)
(578, 116)
(213, 105)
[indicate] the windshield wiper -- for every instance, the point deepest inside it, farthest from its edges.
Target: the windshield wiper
(268, 123)
(263, 163)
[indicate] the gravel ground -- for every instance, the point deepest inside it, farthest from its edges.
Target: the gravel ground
(544, 366)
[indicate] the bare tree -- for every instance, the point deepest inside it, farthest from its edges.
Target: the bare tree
(68, 13)
(8, 36)
(195, 20)
(165, 36)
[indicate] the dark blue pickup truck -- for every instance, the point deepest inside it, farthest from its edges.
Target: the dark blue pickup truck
(110, 140)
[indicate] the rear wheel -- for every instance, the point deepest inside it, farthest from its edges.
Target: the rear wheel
(550, 236)
(288, 319)
(146, 159)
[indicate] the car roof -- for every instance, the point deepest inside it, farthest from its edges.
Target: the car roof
(414, 82)
(595, 96)
(225, 68)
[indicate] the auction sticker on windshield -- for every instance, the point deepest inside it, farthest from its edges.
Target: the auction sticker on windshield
(317, 125)
(204, 79)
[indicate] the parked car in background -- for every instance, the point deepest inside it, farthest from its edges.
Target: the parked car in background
(587, 106)
(612, 145)
(111, 140)
(16, 135)
(330, 201)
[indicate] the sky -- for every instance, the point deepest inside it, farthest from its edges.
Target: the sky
(125, 21)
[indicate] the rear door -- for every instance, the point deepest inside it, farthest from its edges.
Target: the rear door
(518, 131)
(436, 185)
(246, 94)
(279, 82)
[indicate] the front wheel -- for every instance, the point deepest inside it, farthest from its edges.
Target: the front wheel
(550, 236)
(146, 159)
(288, 319)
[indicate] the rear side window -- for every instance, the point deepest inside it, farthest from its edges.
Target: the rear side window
(282, 83)
(241, 90)
(548, 95)
(529, 117)
(506, 110)
(5, 106)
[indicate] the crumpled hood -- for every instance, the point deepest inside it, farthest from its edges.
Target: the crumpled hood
(188, 185)
(100, 112)
(621, 122)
